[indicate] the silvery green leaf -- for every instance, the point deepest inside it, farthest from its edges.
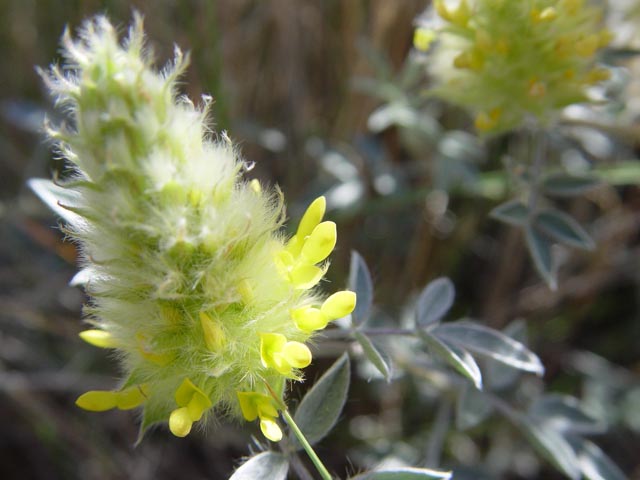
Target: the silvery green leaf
(539, 246)
(435, 301)
(471, 408)
(498, 375)
(320, 408)
(383, 90)
(404, 474)
(469, 472)
(564, 413)
(551, 445)
(490, 343)
(513, 212)
(411, 74)
(593, 462)
(460, 145)
(563, 185)
(56, 198)
(404, 116)
(373, 354)
(267, 465)
(389, 115)
(455, 356)
(564, 229)
(360, 282)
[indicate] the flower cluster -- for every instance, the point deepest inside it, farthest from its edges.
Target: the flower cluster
(205, 303)
(507, 60)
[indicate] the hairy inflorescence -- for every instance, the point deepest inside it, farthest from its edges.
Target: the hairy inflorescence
(508, 60)
(204, 301)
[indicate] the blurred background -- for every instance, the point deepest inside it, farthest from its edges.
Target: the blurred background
(320, 95)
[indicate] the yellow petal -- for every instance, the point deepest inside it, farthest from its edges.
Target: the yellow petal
(485, 122)
(297, 354)
(309, 319)
(304, 277)
(245, 290)
(214, 336)
(97, 400)
(423, 38)
(320, 243)
(442, 10)
(98, 338)
(265, 406)
(281, 365)
(294, 245)
(284, 261)
(339, 305)
(311, 218)
(248, 405)
(131, 397)
(460, 16)
(198, 405)
(254, 405)
(270, 429)
(180, 422)
(186, 391)
(271, 345)
(588, 45)
(598, 75)
(473, 60)
(255, 185)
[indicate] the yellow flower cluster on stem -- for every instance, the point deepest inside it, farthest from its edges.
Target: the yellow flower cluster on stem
(507, 61)
(192, 283)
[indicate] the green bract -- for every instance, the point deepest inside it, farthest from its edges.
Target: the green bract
(506, 60)
(190, 280)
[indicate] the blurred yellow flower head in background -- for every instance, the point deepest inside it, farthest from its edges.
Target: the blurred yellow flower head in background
(506, 61)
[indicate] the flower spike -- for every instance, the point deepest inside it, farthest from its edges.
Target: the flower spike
(192, 281)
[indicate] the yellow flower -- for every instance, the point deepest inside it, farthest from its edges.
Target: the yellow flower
(256, 405)
(192, 403)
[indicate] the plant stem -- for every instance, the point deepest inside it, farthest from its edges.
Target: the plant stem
(372, 332)
(538, 140)
(439, 432)
(322, 470)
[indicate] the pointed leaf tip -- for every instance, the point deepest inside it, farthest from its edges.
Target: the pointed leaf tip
(435, 301)
(490, 343)
(361, 283)
(563, 229)
(373, 355)
(455, 356)
(539, 246)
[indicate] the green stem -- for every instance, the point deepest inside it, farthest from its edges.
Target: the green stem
(538, 140)
(322, 470)
(340, 334)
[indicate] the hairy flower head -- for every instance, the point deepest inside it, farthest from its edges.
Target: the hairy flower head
(207, 305)
(506, 60)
